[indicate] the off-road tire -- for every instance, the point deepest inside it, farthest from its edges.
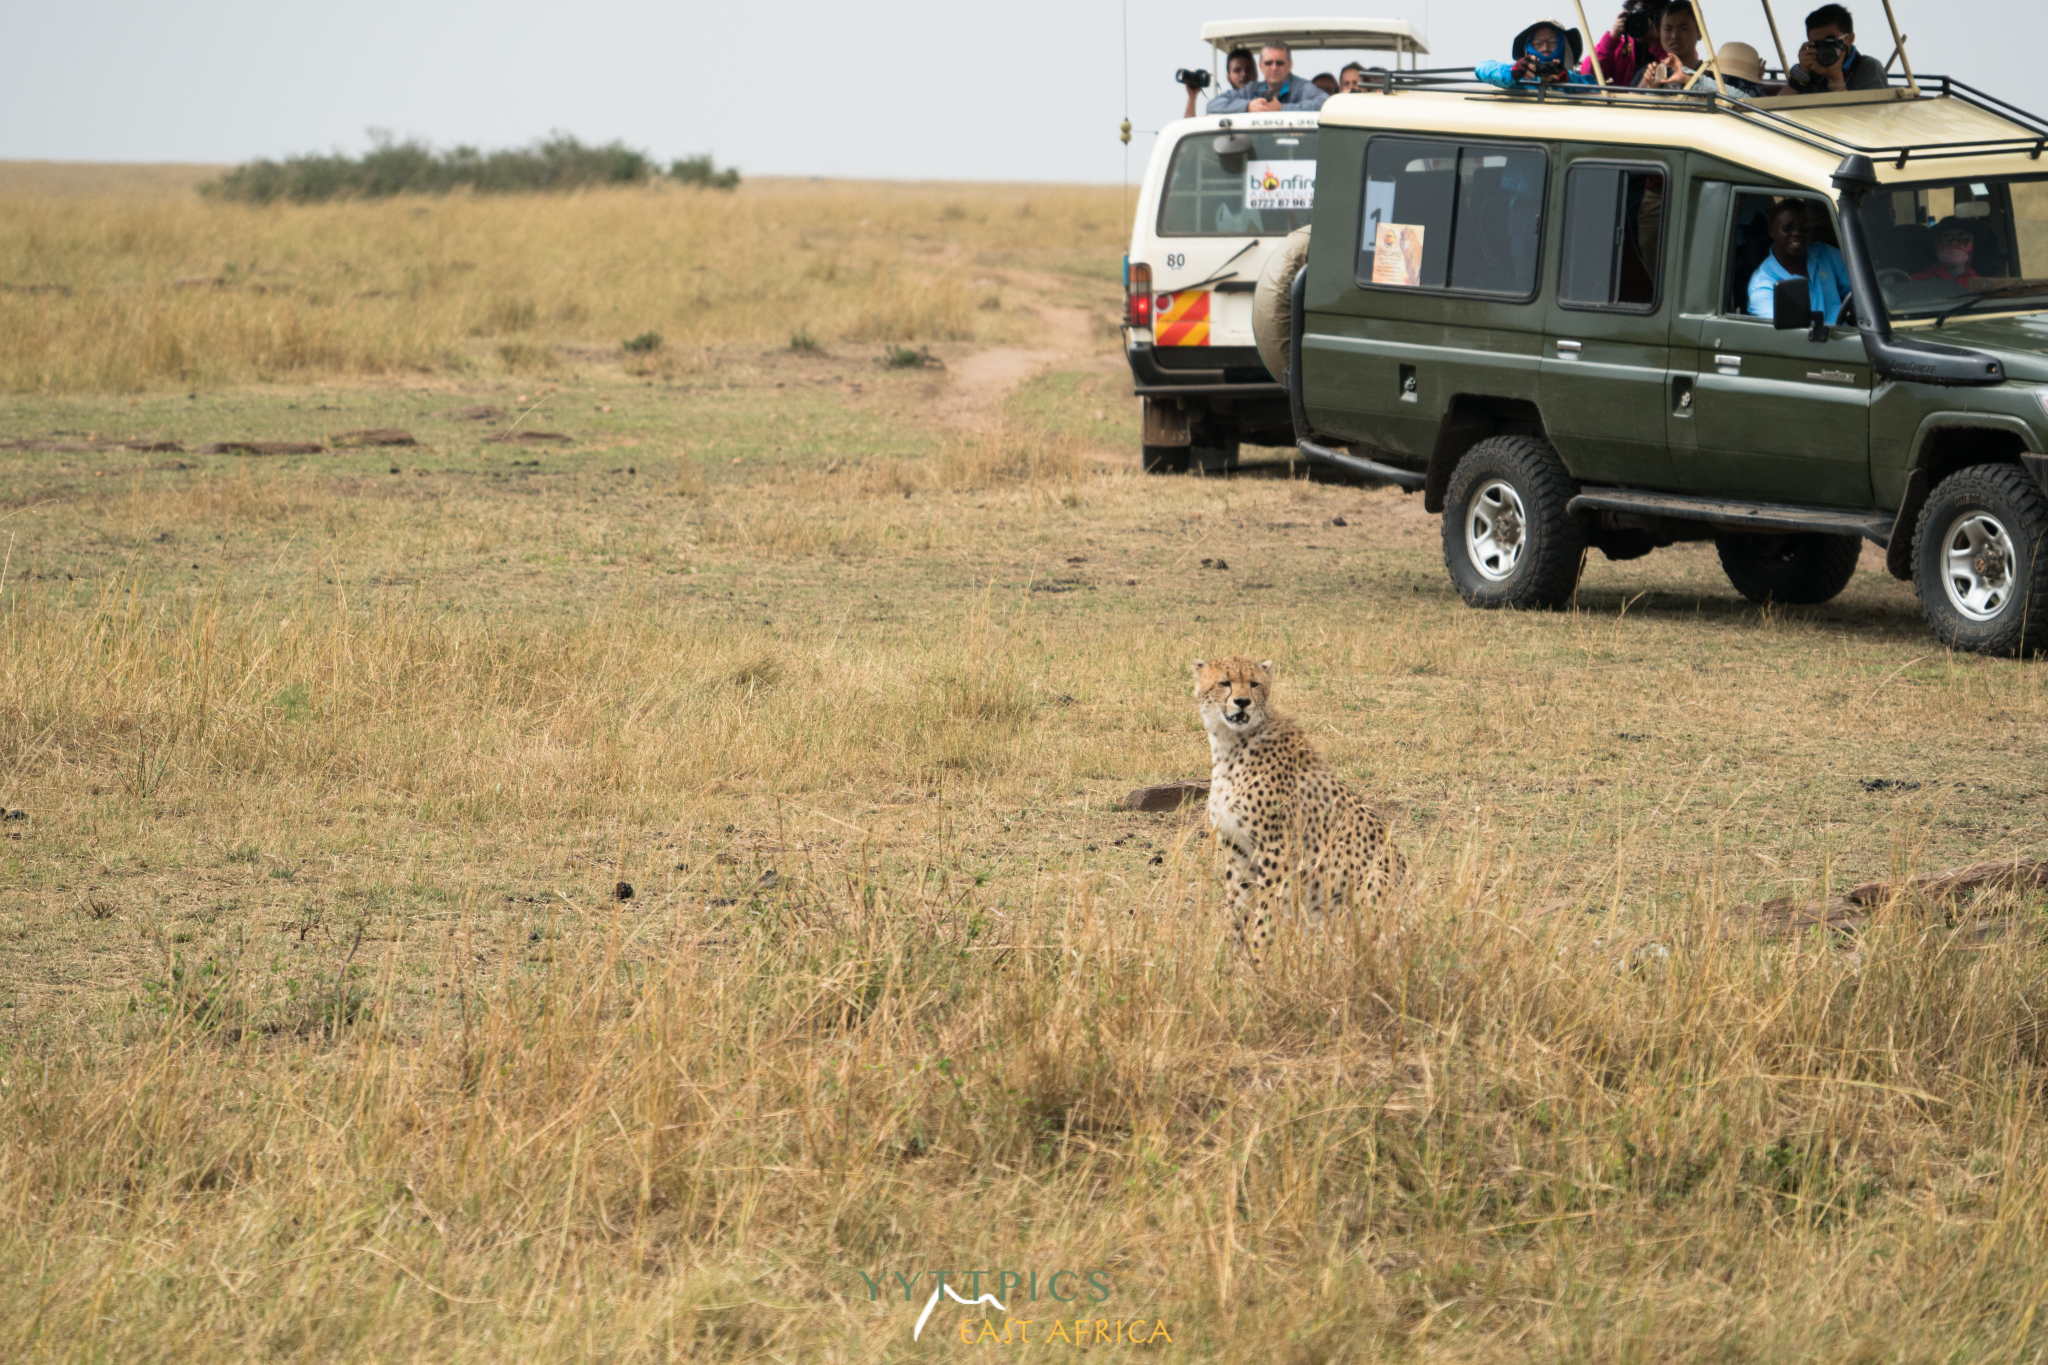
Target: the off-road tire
(1953, 576)
(1518, 489)
(1166, 459)
(1803, 569)
(1213, 455)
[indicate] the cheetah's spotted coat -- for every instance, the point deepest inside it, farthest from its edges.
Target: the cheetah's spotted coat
(1297, 836)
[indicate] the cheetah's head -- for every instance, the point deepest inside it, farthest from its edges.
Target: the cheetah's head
(1234, 694)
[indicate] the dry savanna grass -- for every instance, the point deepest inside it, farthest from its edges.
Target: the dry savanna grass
(128, 291)
(324, 1034)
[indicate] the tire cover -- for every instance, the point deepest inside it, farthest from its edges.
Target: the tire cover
(1272, 305)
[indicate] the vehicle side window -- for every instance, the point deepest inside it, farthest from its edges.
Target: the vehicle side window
(1749, 242)
(1613, 246)
(1460, 217)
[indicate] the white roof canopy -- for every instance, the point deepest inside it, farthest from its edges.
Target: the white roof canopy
(1391, 35)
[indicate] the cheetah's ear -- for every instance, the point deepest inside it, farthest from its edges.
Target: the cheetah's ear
(1267, 664)
(1200, 664)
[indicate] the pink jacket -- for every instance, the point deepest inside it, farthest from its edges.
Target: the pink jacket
(1622, 60)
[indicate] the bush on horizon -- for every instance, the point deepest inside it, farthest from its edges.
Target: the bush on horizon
(559, 162)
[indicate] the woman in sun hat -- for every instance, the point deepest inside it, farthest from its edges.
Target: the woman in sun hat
(1743, 68)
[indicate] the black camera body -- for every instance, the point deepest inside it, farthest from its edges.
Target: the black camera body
(1544, 70)
(1196, 79)
(1829, 51)
(1636, 23)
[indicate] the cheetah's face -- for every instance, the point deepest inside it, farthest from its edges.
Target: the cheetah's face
(1233, 693)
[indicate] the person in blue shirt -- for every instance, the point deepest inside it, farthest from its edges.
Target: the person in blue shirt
(1277, 91)
(1795, 255)
(1545, 53)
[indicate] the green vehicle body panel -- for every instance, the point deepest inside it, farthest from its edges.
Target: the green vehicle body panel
(1649, 402)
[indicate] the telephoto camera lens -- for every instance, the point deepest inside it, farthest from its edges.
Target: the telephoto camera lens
(1197, 80)
(1635, 23)
(1828, 51)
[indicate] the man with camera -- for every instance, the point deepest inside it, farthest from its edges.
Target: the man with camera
(1239, 67)
(1278, 92)
(1625, 50)
(1829, 60)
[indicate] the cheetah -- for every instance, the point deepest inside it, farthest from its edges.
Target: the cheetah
(1297, 836)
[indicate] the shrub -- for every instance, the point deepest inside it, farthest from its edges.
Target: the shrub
(560, 162)
(646, 341)
(805, 342)
(697, 170)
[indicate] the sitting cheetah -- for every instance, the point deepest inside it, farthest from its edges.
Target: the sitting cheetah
(1298, 837)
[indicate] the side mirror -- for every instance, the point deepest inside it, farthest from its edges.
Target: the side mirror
(1791, 306)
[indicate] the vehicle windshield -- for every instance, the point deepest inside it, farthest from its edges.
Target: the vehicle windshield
(1268, 190)
(1940, 246)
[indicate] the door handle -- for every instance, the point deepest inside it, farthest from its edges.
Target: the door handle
(1569, 347)
(1728, 364)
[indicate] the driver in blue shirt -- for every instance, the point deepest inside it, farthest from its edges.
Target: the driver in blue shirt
(1794, 254)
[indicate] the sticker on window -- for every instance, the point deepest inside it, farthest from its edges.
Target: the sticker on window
(1397, 255)
(1280, 185)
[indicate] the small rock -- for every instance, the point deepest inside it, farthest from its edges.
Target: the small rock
(1338, 521)
(17, 815)
(1171, 796)
(1215, 564)
(262, 448)
(529, 436)
(533, 937)
(1155, 860)
(1889, 784)
(623, 891)
(375, 436)
(483, 414)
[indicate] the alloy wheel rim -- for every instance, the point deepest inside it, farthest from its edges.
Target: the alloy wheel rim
(1496, 530)
(1979, 564)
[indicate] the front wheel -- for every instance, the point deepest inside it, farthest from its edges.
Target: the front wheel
(1508, 540)
(1805, 568)
(1978, 561)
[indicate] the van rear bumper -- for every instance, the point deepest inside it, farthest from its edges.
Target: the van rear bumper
(1155, 380)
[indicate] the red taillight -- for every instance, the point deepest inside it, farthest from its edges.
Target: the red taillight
(1138, 296)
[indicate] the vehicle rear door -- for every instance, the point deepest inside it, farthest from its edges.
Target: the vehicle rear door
(1434, 297)
(1774, 417)
(1607, 356)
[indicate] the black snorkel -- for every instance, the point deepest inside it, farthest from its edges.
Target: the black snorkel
(1905, 359)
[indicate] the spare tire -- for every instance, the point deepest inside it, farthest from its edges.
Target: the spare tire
(1273, 304)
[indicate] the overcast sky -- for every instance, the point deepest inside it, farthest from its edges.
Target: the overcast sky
(903, 89)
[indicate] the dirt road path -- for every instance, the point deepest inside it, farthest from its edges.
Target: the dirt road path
(979, 380)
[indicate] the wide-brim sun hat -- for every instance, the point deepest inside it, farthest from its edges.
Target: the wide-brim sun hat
(1572, 40)
(1740, 60)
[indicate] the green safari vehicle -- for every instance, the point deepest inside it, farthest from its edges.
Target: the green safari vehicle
(1548, 310)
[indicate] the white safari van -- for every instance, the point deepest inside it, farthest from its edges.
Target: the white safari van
(1221, 192)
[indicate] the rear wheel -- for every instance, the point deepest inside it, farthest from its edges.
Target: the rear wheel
(1508, 540)
(1803, 569)
(1978, 561)
(1166, 459)
(1213, 454)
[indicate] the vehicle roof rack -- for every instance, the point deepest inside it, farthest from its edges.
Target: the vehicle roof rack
(1826, 122)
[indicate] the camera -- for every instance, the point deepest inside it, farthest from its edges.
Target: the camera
(1194, 80)
(1636, 23)
(1828, 51)
(1544, 70)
